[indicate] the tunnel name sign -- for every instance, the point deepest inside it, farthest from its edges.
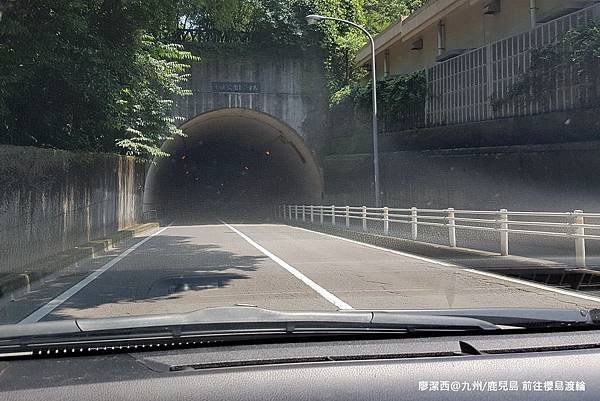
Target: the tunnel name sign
(236, 87)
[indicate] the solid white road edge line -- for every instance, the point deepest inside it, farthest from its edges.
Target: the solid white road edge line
(59, 300)
(445, 264)
(317, 288)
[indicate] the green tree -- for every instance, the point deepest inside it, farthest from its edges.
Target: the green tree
(144, 107)
(344, 43)
(100, 75)
(66, 67)
(380, 14)
(279, 24)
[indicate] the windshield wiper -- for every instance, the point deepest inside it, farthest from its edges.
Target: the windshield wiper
(241, 319)
(517, 317)
(245, 323)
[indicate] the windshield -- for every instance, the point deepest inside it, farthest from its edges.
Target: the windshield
(163, 157)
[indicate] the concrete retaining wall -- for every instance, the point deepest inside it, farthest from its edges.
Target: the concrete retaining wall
(558, 177)
(51, 201)
(350, 132)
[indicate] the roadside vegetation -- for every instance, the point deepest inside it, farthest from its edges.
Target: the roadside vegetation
(102, 75)
(400, 97)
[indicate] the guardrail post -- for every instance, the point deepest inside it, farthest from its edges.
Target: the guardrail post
(312, 214)
(303, 213)
(290, 210)
(503, 219)
(452, 227)
(386, 220)
(321, 209)
(296, 211)
(414, 223)
(347, 216)
(578, 221)
(333, 215)
(364, 218)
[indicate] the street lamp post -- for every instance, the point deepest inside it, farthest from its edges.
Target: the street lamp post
(315, 19)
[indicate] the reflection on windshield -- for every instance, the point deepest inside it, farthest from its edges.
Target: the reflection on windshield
(170, 157)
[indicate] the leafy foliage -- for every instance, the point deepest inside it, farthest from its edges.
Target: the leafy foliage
(343, 43)
(100, 75)
(401, 101)
(381, 13)
(394, 94)
(278, 25)
(144, 108)
(83, 74)
(234, 26)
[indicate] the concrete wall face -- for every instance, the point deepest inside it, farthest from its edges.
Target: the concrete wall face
(467, 27)
(513, 18)
(52, 201)
(289, 88)
(403, 60)
(521, 178)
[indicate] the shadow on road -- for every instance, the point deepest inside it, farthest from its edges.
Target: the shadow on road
(168, 268)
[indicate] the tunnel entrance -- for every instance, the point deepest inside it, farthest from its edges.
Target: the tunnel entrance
(232, 162)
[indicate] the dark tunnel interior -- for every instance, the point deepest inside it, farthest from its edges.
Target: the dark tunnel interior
(232, 163)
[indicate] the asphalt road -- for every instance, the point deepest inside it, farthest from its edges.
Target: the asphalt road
(182, 268)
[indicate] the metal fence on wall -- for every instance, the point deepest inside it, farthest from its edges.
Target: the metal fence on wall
(462, 89)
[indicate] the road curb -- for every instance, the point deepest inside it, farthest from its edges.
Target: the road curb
(11, 282)
(530, 269)
(438, 251)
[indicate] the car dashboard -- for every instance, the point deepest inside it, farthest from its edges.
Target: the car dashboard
(532, 366)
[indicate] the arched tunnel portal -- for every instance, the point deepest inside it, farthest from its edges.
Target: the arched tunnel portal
(232, 162)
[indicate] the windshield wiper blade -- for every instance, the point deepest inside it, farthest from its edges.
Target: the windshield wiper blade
(521, 317)
(237, 321)
(246, 319)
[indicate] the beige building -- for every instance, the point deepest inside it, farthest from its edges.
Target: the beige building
(443, 29)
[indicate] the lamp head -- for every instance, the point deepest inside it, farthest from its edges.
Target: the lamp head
(314, 19)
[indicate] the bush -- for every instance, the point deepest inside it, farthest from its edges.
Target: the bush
(401, 100)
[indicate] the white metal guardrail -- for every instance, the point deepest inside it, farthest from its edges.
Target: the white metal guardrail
(462, 89)
(568, 225)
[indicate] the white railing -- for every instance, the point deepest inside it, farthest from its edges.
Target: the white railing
(461, 90)
(574, 225)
